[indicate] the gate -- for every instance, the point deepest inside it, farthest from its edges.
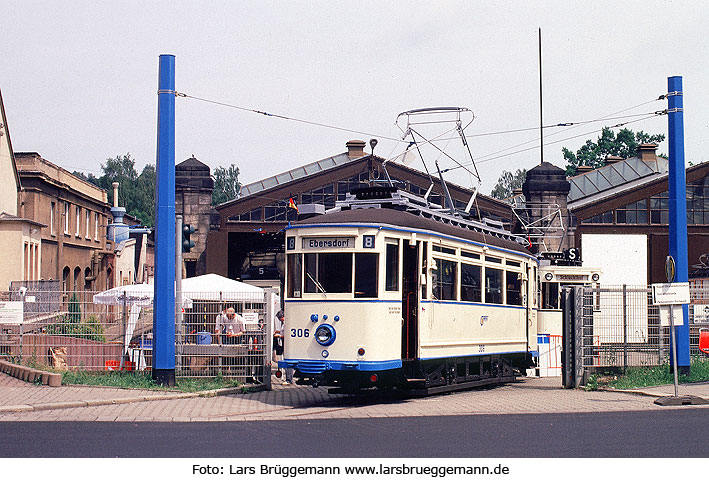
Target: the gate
(610, 328)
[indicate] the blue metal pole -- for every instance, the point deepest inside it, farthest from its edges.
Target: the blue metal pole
(164, 293)
(678, 208)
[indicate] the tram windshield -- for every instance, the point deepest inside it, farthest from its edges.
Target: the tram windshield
(328, 273)
(334, 272)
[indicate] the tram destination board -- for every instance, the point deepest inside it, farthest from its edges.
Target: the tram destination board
(328, 242)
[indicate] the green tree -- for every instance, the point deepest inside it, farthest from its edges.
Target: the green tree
(136, 192)
(226, 184)
(624, 144)
(507, 183)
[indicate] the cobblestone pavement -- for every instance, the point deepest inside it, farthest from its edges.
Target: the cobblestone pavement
(20, 401)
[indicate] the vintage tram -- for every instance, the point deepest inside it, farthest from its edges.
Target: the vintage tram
(387, 291)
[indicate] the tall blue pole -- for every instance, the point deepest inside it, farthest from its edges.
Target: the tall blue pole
(164, 293)
(678, 208)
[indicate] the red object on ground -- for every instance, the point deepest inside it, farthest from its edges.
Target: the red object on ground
(704, 340)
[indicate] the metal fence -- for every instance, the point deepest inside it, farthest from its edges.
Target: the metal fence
(619, 327)
(82, 331)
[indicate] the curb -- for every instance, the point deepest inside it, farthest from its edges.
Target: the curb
(24, 408)
(30, 375)
(638, 392)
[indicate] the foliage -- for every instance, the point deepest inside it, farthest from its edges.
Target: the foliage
(624, 144)
(507, 183)
(636, 377)
(74, 315)
(138, 380)
(89, 330)
(136, 191)
(226, 184)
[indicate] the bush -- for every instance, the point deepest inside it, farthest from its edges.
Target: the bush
(90, 330)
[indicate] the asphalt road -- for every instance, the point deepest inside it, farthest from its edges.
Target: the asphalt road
(666, 433)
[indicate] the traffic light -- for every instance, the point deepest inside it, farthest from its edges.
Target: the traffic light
(187, 243)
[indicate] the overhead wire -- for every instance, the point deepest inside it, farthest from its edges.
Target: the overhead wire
(485, 158)
(285, 117)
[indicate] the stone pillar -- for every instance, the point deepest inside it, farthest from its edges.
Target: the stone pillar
(544, 188)
(193, 200)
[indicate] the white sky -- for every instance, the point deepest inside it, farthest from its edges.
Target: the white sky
(79, 79)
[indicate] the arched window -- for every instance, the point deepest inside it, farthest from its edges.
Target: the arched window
(77, 279)
(88, 281)
(65, 279)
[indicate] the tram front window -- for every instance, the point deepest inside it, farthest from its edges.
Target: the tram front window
(366, 275)
(295, 275)
(328, 273)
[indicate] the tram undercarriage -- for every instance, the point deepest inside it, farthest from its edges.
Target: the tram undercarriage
(423, 377)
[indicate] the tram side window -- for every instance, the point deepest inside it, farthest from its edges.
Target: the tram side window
(295, 275)
(444, 282)
(550, 295)
(493, 285)
(328, 272)
(514, 288)
(392, 267)
(366, 266)
(470, 283)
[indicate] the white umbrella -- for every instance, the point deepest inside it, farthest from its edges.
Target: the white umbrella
(213, 287)
(140, 294)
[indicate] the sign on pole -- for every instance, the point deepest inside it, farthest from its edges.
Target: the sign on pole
(11, 312)
(670, 293)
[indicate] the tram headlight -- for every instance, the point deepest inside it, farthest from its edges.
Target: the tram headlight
(325, 334)
(549, 276)
(595, 277)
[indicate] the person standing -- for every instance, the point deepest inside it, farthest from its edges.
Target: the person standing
(230, 326)
(278, 333)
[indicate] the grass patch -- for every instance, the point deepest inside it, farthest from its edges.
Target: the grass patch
(637, 377)
(133, 380)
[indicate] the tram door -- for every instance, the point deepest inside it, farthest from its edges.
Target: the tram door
(410, 300)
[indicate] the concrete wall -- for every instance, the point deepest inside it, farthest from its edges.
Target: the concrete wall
(11, 245)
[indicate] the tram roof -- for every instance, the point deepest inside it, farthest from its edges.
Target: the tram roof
(398, 218)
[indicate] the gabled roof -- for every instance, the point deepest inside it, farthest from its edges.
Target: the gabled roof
(614, 178)
(297, 173)
(6, 133)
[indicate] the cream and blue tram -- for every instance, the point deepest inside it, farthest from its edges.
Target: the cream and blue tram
(383, 295)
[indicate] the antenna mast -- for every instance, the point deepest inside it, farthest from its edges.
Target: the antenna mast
(541, 116)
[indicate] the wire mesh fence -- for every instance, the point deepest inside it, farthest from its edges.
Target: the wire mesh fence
(622, 328)
(113, 330)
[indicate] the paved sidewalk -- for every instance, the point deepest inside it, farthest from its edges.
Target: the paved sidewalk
(20, 401)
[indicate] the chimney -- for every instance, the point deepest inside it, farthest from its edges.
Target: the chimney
(646, 152)
(355, 148)
(115, 194)
(613, 159)
(584, 169)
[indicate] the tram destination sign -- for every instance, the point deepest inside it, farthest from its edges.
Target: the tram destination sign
(313, 243)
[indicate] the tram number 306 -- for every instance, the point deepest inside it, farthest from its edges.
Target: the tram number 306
(299, 333)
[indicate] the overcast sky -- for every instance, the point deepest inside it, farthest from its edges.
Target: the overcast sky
(79, 79)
